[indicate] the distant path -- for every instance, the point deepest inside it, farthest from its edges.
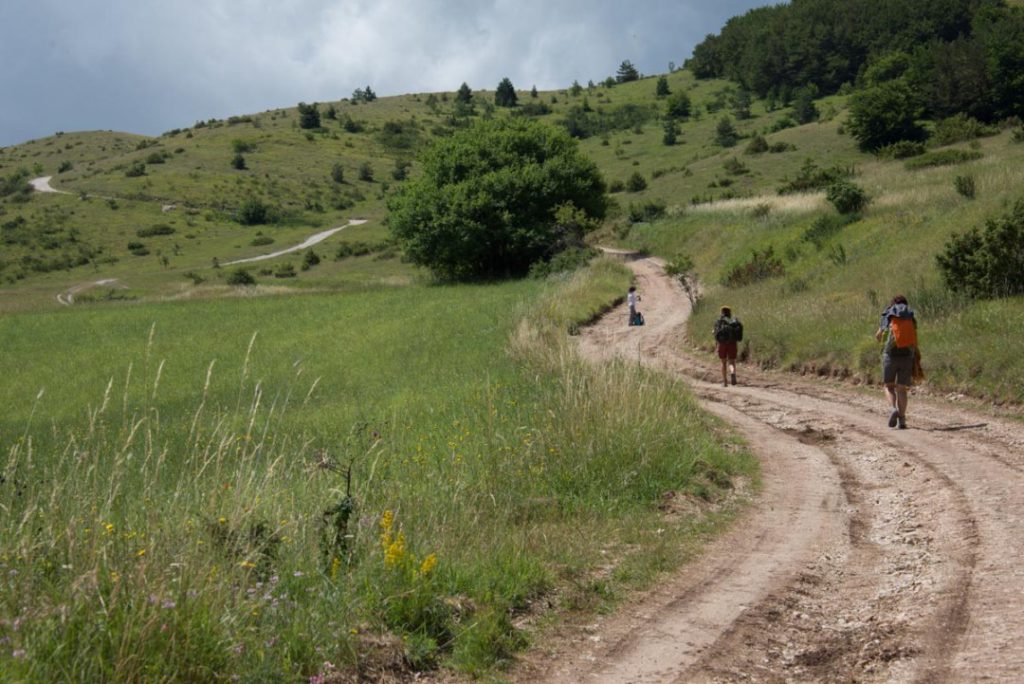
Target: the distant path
(67, 298)
(308, 242)
(42, 184)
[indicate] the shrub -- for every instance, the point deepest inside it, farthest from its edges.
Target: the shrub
(959, 128)
(760, 266)
(781, 124)
(987, 264)
(812, 178)
(286, 270)
(825, 227)
(309, 116)
(735, 167)
(757, 145)
(903, 149)
(779, 147)
(942, 158)
(158, 229)
(338, 173)
(616, 186)
(65, 165)
(310, 259)
(155, 158)
(241, 276)
(238, 162)
(646, 211)
(846, 197)
(401, 170)
(254, 212)
(366, 172)
(239, 146)
(136, 169)
(965, 186)
(1018, 135)
(262, 240)
(636, 182)
(884, 114)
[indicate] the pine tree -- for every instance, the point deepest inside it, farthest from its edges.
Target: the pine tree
(505, 94)
(662, 89)
(627, 72)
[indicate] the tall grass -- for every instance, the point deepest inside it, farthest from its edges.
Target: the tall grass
(382, 495)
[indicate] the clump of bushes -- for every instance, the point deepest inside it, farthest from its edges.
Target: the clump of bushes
(988, 263)
(158, 229)
(760, 266)
(960, 127)
(286, 270)
(650, 210)
(241, 276)
(813, 178)
(636, 182)
(965, 186)
(903, 149)
(261, 240)
(942, 158)
(825, 227)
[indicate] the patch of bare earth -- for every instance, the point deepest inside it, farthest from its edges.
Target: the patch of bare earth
(871, 554)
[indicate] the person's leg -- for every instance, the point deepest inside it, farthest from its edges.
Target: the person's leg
(732, 369)
(889, 380)
(725, 370)
(903, 380)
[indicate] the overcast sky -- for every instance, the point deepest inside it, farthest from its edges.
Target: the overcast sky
(146, 67)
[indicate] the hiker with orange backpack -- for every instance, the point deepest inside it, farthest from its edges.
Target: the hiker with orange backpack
(728, 332)
(899, 328)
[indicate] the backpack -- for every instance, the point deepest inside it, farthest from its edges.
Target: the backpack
(728, 330)
(638, 319)
(904, 332)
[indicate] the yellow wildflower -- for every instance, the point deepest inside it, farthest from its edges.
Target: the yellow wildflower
(335, 566)
(387, 524)
(247, 564)
(428, 564)
(140, 553)
(395, 552)
(109, 527)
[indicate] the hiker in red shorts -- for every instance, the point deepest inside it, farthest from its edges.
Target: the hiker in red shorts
(728, 334)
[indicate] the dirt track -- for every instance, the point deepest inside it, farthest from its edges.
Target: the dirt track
(871, 555)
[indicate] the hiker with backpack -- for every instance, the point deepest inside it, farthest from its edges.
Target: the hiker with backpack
(728, 334)
(899, 328)
(635, 317)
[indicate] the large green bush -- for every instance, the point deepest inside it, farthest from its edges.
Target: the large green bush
(987, 263)
(486, 203)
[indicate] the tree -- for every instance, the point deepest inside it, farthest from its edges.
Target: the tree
(338, 173)
(678, 105)
(533, 92)
(725, 132)
(804, 109)
(464, 94)
(627, 72)
(885, 114)
(741, 104)
(487, 202)
(241, 276)
(238, 162)
(575, 89)
(505, 94)
(309, 116)
(661, 89)
(671, 135)
(366, 172)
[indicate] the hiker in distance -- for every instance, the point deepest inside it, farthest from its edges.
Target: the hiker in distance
(728, 334)
(635, 317)
(899, 328)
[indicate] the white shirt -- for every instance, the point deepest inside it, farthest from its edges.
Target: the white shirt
(632, 298)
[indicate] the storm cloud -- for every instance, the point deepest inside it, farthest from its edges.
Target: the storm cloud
(148, 67)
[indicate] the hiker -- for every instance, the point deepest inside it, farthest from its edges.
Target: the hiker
(899, 328)
(632, 298)
(728, 334)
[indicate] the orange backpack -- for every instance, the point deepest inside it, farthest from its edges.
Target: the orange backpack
(904, 333)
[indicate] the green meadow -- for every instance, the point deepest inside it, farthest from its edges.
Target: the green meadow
(290, 487)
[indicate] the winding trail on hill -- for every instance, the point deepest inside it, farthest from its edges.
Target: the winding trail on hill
(308, 242)
(870, 555)
(42, 184)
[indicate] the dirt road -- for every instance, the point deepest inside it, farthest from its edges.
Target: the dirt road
(872, 554)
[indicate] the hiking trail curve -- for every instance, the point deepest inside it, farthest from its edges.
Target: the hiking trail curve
(870, 554)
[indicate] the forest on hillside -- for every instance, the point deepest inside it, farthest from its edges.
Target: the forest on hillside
(951, 56)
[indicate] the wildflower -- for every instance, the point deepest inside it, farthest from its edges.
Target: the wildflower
(114, 576)
(298, 573)
(140, 553)
(109, 527)
(168, 604)
(247, 564)
(335, 566)
(395, 552)
(387, 524)
(18, 653)
(222, 520)
(428, 564)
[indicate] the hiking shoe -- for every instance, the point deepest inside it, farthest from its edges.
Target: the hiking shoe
(725, 384)
(894, 418)
(902, 423)
(733, 378)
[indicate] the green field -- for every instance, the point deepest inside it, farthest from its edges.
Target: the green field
(174, 484)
